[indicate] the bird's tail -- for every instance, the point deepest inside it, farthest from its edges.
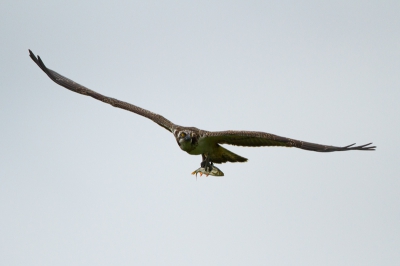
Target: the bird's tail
(222, 155)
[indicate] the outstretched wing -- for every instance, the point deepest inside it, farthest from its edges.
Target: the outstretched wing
(75, 87)
(258, 139)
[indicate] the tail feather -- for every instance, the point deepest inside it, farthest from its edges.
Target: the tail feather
(222, 155)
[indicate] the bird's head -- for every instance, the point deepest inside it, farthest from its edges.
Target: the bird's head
(184, 139)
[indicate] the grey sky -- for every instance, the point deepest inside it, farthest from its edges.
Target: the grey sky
(83, 183)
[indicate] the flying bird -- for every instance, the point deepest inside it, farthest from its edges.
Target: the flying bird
(197, 141)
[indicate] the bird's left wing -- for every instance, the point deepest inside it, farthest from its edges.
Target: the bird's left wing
(258, 139)
(75, 87)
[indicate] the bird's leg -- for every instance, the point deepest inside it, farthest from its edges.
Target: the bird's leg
(207, 168)
(206, 164)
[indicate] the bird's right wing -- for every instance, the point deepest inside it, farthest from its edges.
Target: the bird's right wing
(75, 87)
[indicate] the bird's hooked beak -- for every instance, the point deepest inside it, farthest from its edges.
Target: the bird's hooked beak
(187, 137)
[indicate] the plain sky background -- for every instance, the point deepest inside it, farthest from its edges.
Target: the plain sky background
(82, 183)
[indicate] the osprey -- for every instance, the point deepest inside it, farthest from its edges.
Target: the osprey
(201, 142)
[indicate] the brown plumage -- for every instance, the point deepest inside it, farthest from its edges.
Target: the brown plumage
(195, 141)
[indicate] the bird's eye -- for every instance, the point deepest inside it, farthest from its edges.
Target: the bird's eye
(183, 135)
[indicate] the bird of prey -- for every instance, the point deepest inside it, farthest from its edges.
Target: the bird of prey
(197, 141)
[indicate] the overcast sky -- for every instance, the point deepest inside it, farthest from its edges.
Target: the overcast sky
(82, 183)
